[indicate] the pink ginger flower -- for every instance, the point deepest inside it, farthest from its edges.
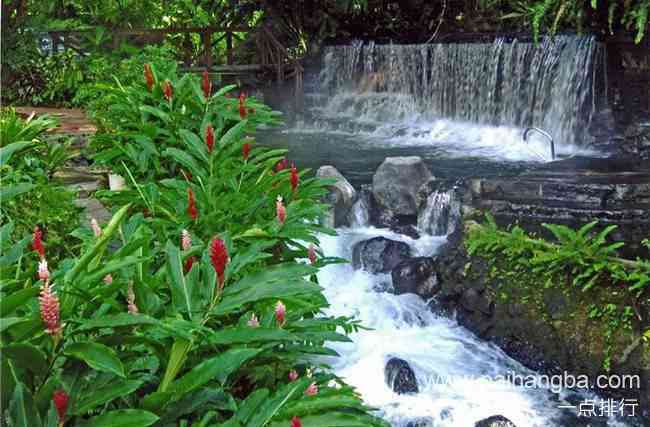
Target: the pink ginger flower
(280, 313)
(43, 272)
(108, 279)
(60, 399)
(186, 240)
(281, 165)
(254, 322)
(130, 299)
(219, 259)
(293, 375)
(280, 210)
(50, 309)
(97, 230)
(295, 422)
(311, 254)
(312, 390)
(37, 242)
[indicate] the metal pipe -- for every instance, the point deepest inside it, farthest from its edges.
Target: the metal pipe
(546, 134)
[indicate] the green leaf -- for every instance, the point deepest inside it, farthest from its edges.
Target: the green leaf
(8, 192)
(234, 133)
(185, 160)
(9, 150)
(117, 320)
(217, 368)
(105, 394)
(10, 302)
(100, 244)
(97, 356)
(180, 288)
(157, 112)
(123, 418)
(246, 335)
(22, 410)
(194, 143)
(7, 322)
(26, 356)
(265, 291)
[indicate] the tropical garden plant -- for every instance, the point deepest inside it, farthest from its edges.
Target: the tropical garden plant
(198, 303)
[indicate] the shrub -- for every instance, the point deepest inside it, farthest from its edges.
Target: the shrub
(27, 163)
(195, 304)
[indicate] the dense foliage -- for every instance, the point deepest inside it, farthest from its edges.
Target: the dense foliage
(32, 76)
(29, 196)
(197, 304)
(583, 260)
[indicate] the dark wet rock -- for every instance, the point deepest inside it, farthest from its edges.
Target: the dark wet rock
(340, 198)
(396, 182)
(495, 421)
(406, 230)
(637, 140)
(416, 276)
(379, 255)
(400, 376)
(420, 422)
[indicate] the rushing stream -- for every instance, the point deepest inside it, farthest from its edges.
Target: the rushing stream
(461, 379)
(462, 108)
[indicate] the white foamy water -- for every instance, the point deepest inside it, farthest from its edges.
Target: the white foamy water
(452, 366)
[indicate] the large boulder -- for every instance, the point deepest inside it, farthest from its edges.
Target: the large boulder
(400, 376)
(495, 421)
(416, 276)
(379, 254)
(341, 196)
(396, 183)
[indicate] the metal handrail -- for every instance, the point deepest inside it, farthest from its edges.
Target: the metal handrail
(543, 132)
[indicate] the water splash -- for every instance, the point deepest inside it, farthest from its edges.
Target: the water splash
(441, 214)
(501, 84)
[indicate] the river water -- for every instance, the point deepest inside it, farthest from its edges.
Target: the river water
(463, 109)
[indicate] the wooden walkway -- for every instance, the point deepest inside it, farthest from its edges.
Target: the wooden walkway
(72, 121)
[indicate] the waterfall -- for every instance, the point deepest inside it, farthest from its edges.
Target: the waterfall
(359, 213)
(441, 214)
(505, 83)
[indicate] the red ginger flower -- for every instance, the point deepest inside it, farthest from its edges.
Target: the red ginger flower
(60, 399)
(206, 84)
(219, 258)
(280, 313)
(168, 90)
(245, 151)
(37, 242)
(294, 178)
(191, 205)
(280, 210)
(50, 310)
(295, 422)
(311, 254)
(148, 77)
(189, 262)
(209, 137)
(281, 165)
(242, 107)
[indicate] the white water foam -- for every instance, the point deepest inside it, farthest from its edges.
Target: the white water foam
(449, 362)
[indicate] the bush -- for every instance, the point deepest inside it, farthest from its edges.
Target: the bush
(195, 305)
(27, 163)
